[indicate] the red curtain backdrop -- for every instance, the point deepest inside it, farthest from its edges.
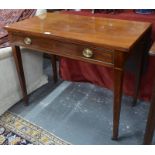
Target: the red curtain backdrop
(72, 70)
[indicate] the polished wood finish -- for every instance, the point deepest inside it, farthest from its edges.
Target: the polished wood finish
(118, 88)
(119, 61)
(113, 33)
(102, 41)
(19, 67)
(71, 50)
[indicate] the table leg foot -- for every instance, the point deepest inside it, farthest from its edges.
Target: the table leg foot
(26, 101)
(114, 138)
(134, 102)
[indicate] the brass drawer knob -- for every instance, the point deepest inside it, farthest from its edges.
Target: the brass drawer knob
(27, 41)
(87, 53)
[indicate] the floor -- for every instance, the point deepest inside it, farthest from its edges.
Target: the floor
(81, 113)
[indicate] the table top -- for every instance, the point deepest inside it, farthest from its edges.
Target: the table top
(115, 33)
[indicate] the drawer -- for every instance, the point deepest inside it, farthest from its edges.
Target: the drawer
(87, 53)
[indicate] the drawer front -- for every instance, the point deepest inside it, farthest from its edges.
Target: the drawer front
(86, 53)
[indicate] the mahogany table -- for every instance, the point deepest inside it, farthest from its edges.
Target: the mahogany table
(102, 41)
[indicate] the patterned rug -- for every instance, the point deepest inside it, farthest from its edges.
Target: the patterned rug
(15, 130)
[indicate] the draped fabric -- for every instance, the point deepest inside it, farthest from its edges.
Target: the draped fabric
(8, 16)
(84, 72)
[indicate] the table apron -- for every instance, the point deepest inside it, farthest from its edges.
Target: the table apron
(100, 55)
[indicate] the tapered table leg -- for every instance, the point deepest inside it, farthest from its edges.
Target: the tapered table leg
(54, 67)
(150, 127)
(19, 67)
(118, 88)
(142, 51)
(138, 75)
